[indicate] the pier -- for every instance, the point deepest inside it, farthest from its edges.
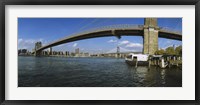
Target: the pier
(164, 61)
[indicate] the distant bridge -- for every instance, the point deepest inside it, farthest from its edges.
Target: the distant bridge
(149, 31)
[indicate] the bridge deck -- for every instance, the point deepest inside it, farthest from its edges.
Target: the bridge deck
(118, 32)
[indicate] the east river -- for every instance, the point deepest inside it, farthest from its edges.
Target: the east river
(92, 72)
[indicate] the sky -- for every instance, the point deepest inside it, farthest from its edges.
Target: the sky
(48, 30)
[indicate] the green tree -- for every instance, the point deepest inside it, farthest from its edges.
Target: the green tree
(178, 50)
(160, 52)
(170, 51)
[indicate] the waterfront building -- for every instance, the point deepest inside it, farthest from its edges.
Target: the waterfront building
(60, 53)
(50, 51)
(116, 55)
(87, 54)
(24, 51)
(45, 53)
(82, 54)
(117, 52)
(19, 51)
(54, 53)
(77, 51)
(72, 54)
(67, 53)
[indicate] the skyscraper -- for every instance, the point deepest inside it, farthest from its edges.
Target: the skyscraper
(50, 51)
(77, 51)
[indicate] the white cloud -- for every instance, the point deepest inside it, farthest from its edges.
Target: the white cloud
(130, 45)
(124, 42)
(112, 41)
(134, 45)
(75, 44)
(28, 43)
(169, 41)
(20, 40)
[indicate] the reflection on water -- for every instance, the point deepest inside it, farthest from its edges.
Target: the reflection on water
(92, 72)
(163, 76)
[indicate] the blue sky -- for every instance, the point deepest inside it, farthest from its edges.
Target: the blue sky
(47, 30)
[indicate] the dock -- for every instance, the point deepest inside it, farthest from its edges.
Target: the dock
(164, 61)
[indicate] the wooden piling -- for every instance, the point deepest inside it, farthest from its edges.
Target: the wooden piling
(149, 63)
(136, 63)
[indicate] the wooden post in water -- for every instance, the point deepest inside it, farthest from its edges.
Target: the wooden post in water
(136, 63)
(149, 63)
(162, 63)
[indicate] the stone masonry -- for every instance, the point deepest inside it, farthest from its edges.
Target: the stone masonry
(150, 36)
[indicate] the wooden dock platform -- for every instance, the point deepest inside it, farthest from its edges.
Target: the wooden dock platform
(164, 61)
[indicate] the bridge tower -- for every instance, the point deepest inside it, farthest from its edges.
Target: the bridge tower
(37, 46)
(150, 36)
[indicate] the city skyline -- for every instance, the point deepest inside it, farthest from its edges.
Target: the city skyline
(47, 30)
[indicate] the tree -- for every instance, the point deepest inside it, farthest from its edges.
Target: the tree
(170, 51)
(178, 50)
(160, 52)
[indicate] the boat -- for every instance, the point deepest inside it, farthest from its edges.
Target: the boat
(137, 59)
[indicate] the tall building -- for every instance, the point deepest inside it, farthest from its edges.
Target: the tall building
(77, 51)
(50, 51)
(54, 53)
(118, 51)
(72, 54)
(24, 51)
(67, 53)
(19, 51)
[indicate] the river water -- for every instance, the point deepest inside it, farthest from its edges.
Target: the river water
(92, 72)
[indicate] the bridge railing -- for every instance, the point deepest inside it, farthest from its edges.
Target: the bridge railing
(111, 27)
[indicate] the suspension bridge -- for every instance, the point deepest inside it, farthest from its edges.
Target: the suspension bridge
(149, 31)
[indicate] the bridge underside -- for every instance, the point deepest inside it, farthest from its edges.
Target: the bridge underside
(169, 35)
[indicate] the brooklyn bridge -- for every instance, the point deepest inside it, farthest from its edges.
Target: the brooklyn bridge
(150, 32)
